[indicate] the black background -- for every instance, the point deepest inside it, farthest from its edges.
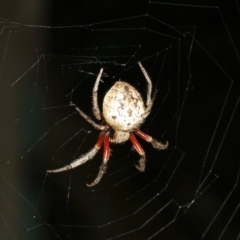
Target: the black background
(190, 50)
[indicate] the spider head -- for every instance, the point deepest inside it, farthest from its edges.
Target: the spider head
(118, 136)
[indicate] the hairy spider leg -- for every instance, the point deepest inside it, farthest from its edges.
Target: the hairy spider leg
(96, 110)
(89, 120)
(103, 167)
(157, 145)
(150, 99)
(84, 158)
(100, 140)
(139, 149)
(149, 82)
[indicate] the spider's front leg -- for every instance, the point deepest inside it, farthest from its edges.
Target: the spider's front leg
(157, 145)
(142, 162)
(85, 157)
(103, 167)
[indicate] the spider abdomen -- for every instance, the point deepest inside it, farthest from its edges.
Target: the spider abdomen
(123, 107)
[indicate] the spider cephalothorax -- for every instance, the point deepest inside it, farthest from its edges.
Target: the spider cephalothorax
(123, 113)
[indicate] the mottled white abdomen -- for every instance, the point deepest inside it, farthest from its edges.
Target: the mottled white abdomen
(123, 107)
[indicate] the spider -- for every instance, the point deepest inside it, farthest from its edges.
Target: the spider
(123, 113)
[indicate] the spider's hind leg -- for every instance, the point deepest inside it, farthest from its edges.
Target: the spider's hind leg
(150, 98)
(89, 120)
(96, 110)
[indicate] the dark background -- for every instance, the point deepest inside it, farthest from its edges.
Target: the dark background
(50, 54)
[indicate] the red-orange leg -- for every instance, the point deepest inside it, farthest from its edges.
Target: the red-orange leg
(103, 138)
(106, 149)
(100, 140)
(139, 149)
(143, 135)
(157, 145)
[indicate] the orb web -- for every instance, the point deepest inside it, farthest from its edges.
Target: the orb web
(190, 191)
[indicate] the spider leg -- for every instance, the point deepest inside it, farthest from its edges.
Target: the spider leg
(149, 101)
(139, 149)
(89, 120)
(157, 145)
(84, 158)
(103, 167)
(96, 110)
(149, 82)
